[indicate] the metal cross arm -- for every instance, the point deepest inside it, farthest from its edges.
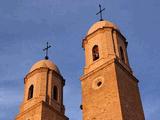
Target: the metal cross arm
(46, 49)
(100, 12)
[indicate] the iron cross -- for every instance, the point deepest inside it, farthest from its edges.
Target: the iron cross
(100, 12)
(46, 49)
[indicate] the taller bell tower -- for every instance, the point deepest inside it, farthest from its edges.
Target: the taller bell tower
(109, 88)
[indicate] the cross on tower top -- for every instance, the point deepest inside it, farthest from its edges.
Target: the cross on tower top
(100, 12)
(46, 49)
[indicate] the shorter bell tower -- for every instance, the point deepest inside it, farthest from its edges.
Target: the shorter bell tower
(43, 93)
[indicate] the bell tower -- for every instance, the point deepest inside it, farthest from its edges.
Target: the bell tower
(109, 88)
(43, 93)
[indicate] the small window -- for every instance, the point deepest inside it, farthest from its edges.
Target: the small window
(55, 93)
(99, 83)
(30, 92)
(95, 52)
(122, 54)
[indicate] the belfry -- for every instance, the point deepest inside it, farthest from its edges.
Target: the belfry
(43, 93)
(109, 88)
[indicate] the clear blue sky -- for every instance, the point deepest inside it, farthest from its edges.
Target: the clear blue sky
(26, 26)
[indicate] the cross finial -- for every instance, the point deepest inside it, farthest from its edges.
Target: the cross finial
(100, 12)
(46, 49)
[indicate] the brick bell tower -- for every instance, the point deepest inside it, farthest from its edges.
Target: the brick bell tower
(43, 93)
(109, 88)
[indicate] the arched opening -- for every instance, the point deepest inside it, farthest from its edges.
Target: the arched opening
(122, 54)
(30, 92)
(55, 93)
(95, 52)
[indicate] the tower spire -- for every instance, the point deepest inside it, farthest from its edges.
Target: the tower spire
(46, 49)
(100, 12)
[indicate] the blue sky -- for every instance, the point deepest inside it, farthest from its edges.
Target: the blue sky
(26, 26)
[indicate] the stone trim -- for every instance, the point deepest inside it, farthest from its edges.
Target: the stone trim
(106, 65)
(29, 109)
(111, 28)
(41, 103)
(99, 68)
(42, 69)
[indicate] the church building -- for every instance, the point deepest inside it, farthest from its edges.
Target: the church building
(109, 88)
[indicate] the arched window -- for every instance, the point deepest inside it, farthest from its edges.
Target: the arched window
(55, 93)
(95, 52)
(30, 92)
(122, 54)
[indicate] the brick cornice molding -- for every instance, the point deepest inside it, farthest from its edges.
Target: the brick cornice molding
(43, 69)
(101, 30)
(107, 64)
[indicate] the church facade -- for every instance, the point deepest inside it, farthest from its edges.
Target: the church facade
(109, 88)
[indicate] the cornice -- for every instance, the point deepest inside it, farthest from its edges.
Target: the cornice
(97, 69)
(100, 30)
(107, 64)
(43, 69)
(29, 109)
(41, 103)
